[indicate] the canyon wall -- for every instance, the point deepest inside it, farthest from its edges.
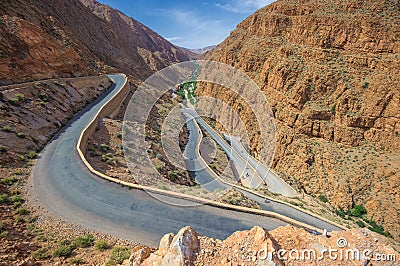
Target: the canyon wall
(331, 73)
(60, 38)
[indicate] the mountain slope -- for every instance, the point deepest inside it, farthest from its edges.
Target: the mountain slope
(29, 50)
(155, 50)
(331, 72)
(65, 38)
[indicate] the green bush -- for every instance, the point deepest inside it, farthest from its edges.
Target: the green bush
(3, 148)
(32, 155)
(19, 172)
(17, 204)
(7, 128)
(104, 147)
(41, 254)
(118, 255)
(296, 203)
(341, 213)
(41, 238)
(76, 261)
(360, 224)
(163, 187)
(14, 101)
(4, 234)
(358, 211)
(172, 175)
(32, 219)
(378, 229)
(16, 198)
(19, 218)
(20, 97)
(63, 251)
(8, 181)
(3, 198)
(84, 241)
(102, 245)
(333, 109)
(43, 97)
(374, 227)
(4, 107)
(323, 199)
(21, 211)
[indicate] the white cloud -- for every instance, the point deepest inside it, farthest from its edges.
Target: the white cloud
(244, 6)
(189, 18)
(171, 39)
(199, 30)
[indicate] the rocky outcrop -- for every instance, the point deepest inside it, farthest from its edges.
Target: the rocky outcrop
(283, 246)
(331, 73)
(181, 249)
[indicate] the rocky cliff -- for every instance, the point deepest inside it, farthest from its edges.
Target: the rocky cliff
(282, 246)
(331, 72)
(154, 49)
(31, 113)
(42, 39)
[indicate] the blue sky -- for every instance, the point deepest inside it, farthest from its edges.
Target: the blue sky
(190, 24)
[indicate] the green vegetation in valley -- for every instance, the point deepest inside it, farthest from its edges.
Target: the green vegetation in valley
(359, 212)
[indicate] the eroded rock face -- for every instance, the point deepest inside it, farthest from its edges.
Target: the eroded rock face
(29, 53)
(181, 249)
(139, 254)
(42, 39)
(331, 73)
(31, 113)
(259, 247)
(155, 50)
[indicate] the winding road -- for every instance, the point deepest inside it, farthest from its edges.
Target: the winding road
(274, 183)
(61, 183)
(209, 180)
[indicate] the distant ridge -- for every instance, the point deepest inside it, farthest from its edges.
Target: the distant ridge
(203, 50)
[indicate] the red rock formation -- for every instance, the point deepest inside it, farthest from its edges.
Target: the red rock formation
(66, 38)
(331, 72)
(283, 246)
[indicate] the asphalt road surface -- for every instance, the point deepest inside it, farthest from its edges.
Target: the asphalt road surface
(209, 180)
(245, 171)
(274, 183)
(62, 184)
